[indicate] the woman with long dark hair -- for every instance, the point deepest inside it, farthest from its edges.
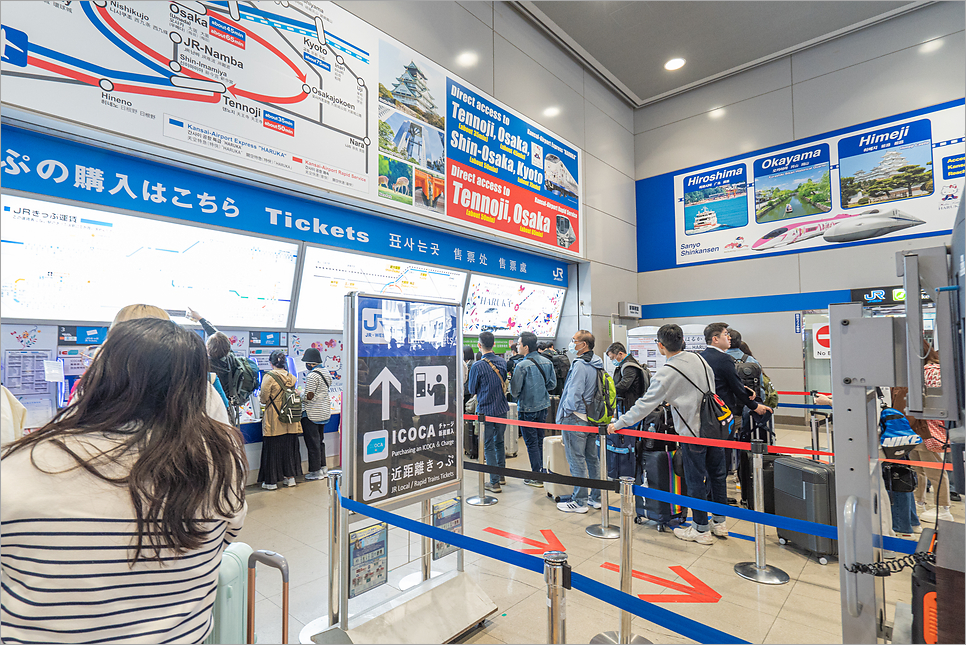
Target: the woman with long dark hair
(115, 514)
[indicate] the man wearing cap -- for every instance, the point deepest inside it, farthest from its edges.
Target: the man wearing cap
(315, 412)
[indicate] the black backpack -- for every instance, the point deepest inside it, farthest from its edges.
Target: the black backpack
(242, 379)
(749, 373)
(659, 420)
(561, 368)
(716, 417)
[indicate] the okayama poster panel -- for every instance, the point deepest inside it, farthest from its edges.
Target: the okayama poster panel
(304, 91)
(407, 397)
(899, 177)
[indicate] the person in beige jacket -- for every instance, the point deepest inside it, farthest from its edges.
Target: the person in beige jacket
(281, 460)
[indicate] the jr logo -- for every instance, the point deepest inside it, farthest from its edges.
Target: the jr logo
(558, 274)
(373, 331)
(877, 295)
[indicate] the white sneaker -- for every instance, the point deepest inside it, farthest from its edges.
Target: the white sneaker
(927, 517)
(917, 529)
(593, 504)
(691, 534)
(269, 486)
(944, 514)
(289, 483)
(571, 507)
(315, 475)
(719, 528)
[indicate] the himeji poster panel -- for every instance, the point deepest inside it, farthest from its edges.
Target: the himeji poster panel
(508, 308)
(327, 276)
(64, 262)
(894, 178)
(303, 91)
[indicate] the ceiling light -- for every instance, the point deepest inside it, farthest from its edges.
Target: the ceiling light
(468, 59)
(674, 63)
(931, 46)
(717, 113)
(551, 111)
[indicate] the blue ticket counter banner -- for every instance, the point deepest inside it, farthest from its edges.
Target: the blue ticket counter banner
(368, 558)
(407, 398)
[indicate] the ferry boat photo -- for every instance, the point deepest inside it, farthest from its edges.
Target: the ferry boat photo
(705, 220)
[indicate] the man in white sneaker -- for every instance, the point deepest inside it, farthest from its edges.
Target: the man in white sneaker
(682, 382)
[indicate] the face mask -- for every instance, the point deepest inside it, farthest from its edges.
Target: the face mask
(572, 348)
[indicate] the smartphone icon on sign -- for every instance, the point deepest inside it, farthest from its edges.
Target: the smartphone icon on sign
(420, 384)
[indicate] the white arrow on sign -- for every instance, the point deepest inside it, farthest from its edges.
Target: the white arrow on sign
(385, 376)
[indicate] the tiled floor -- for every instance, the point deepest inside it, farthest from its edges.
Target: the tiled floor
(806, 610)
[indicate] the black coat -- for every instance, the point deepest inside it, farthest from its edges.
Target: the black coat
(727, 385)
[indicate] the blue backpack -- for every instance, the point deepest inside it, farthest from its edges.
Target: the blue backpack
(895, 434)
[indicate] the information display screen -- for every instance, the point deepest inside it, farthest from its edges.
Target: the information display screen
(69, 263)
(328, 275)
(507, 307)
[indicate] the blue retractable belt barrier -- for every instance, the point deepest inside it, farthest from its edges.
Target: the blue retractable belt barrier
(648, 611)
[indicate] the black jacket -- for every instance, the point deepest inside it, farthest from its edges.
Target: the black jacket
(727, 385)
(631, 380)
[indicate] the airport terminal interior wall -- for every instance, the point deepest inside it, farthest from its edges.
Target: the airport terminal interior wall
(874, 73)
(521, 67)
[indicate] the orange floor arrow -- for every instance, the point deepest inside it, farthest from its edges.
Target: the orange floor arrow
(696, 592)
(551, 544)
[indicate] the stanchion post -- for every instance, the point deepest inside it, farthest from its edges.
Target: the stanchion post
(759, 571)
(334, 511)
(624, 635)
(481, 499)
(813, 420)
(604, 529)
(556, 573)
(427, 546)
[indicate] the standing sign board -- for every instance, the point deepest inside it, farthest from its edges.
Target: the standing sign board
(402, 440)
(369, 558)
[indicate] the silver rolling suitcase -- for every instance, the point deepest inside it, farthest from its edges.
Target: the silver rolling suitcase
(511, 434)
(555, 461)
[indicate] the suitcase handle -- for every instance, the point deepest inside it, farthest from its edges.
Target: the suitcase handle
(277, 561)
(849, 553)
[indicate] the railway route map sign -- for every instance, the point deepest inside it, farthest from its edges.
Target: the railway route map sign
(407, 398)
(896, 178)
(303, 91)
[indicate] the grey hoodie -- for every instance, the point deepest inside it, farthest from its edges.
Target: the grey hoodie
(684, 398)
(580, 387)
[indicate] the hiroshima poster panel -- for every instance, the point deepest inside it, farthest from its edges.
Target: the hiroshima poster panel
(302, 91)
(895, 178)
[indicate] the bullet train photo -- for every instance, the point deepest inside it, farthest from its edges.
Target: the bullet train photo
(557, 179)
(841, 228)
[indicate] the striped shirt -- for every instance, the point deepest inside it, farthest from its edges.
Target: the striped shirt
(319, 408)
(64, 549)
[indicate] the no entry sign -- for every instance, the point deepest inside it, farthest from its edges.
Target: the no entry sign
(821, 343)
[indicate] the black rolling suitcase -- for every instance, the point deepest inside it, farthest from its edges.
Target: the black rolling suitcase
(471, 442)
(747, 483)
(657, 471)
(552, 416)
(805, 490)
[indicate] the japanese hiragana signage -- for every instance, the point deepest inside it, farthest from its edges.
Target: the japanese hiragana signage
(46, 165)
(407, 398)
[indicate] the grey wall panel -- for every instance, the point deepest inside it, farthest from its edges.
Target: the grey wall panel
(480, 9)
(934, 21)
(891, 84)
(607, 140)
(529, 88)
(612, 241)
(606, 100)
(609, 285)
(755, 82)
(441, 31)
(515, 29)
(748, 278)
(858, 266)
(609, 190)
(759, 122)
